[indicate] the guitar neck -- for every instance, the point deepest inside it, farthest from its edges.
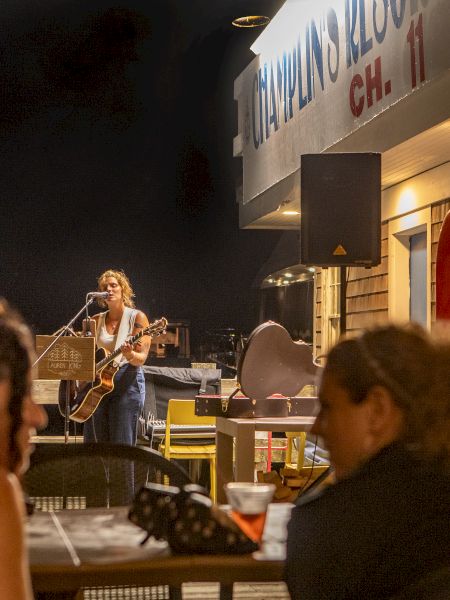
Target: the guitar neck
(154, 329)
(116, 352)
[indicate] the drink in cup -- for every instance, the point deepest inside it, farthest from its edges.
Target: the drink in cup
(249, 502)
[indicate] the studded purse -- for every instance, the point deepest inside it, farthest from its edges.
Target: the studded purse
(188, 520)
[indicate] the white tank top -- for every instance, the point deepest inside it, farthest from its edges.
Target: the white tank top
(110, 341)
(106, 340)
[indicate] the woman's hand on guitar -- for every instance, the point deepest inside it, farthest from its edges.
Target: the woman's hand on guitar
(128, 351)
(136, 354)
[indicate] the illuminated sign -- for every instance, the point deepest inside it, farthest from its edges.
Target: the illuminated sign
(326, 68)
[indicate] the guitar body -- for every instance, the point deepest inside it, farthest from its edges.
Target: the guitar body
(272, 363)
(73, 389)
(85, 396)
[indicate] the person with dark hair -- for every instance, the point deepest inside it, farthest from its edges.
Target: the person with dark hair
(116, 418)
(385, 419)
(19, 418)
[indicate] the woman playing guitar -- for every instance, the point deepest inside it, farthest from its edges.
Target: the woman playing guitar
(115, 420)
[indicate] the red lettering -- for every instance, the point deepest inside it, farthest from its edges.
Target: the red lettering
(414, 33)
(412, 54)
(374, 83)
(356, 108)
(419, 35)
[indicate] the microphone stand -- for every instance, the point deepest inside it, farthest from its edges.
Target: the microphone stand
(63, 331)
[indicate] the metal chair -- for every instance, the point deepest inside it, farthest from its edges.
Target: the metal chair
(78, 476)
(182, 412)
(301, 437)
(87, 475)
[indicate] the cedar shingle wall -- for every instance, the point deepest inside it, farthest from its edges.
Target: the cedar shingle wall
(318, 313)
(367, 289)
(367, 295)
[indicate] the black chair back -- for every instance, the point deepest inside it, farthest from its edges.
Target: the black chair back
(87, 475)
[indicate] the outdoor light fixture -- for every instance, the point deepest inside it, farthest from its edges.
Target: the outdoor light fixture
(283, 278)
(251, 21)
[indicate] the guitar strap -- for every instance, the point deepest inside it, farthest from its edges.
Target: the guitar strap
(125, 330)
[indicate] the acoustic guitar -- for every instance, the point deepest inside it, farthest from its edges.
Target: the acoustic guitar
(85, 396)
(272, 363)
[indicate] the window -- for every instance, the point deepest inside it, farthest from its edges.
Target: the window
(410, 267)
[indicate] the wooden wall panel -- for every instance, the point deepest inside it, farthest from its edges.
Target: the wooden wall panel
(359, 321)
(367, 295)
(367, 289)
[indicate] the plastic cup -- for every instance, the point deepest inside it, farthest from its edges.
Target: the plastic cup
(249, 502)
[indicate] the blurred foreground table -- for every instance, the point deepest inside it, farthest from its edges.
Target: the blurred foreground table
(243, 431)
(70, 550)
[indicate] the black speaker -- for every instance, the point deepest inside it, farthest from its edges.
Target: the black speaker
(340, 209)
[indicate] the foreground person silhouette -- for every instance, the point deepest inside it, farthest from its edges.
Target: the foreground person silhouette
(385, 410)
(19, 418)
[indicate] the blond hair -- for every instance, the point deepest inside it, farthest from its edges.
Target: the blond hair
(122, 280)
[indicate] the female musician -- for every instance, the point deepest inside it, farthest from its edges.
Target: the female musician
(19, 417)
(384, 417)
(115, 420)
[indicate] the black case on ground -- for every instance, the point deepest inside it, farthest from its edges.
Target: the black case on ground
(241, 407)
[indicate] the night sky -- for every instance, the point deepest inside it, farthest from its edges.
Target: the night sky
(116, 128)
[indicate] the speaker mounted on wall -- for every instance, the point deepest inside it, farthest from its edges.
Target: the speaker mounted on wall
(340, 209)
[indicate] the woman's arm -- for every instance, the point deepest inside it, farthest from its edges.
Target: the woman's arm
(15, 581)
(137, 355)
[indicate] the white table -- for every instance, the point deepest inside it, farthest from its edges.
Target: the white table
(243, 431)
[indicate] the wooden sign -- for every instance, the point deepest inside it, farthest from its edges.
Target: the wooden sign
(70, 358)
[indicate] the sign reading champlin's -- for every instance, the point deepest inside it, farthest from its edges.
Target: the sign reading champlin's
(339, 64)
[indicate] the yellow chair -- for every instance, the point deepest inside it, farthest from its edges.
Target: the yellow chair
(301, 436)
(182, 412)
(310, 472)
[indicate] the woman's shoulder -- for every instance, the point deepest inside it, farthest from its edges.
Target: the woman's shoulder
(99, 315)
(10, 494)
(7, 480)
(141, 317)
(14, 577)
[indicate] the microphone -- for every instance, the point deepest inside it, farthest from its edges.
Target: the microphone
(98, 294)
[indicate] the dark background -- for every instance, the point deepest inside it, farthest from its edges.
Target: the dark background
(116, 128)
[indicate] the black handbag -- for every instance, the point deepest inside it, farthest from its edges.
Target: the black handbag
(188, 520)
